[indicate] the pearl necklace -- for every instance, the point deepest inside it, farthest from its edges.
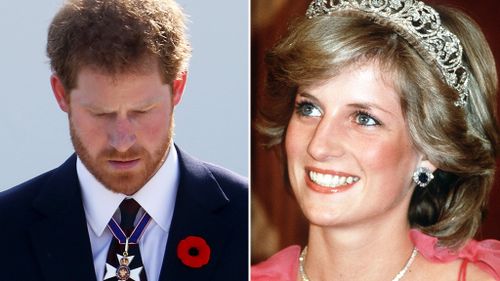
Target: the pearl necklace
(398, 277)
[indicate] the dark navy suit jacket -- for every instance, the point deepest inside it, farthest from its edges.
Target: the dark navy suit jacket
(44, 236)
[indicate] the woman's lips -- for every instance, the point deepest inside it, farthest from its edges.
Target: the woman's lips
(124, 164)
(324, 181)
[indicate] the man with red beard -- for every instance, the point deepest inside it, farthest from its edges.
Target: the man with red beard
(129, 204)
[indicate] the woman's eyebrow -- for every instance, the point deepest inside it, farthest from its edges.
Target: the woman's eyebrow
(370, 106)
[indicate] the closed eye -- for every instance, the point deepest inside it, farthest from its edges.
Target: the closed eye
(307, 109)
(145, 109)
(102, 114)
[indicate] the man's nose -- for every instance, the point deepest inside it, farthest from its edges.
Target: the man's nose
(122, 134)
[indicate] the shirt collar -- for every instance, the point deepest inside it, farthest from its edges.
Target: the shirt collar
(156, 197)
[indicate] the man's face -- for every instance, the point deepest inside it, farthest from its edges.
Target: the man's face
(121, 126)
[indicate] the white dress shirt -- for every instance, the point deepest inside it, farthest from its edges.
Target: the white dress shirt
(156, 197)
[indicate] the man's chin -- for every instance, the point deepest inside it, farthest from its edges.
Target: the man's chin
(122, 182)
(126, 187)
(126, 178)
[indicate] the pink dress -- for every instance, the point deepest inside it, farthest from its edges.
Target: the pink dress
(284, 265)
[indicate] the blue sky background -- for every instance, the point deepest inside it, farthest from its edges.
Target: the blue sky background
(211, 122)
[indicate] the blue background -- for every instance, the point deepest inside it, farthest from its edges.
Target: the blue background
(211, 121)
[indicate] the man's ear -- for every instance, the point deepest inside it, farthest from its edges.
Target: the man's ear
(59, 92)
(178, 88)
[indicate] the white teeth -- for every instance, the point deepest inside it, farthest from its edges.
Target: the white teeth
(329, 180)
(342, 180)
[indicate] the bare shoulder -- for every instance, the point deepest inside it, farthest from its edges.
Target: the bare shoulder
(428, 270)
(450, 271)
(474, 273)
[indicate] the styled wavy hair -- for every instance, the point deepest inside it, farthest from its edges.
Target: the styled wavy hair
(117, 36)
(461, 142)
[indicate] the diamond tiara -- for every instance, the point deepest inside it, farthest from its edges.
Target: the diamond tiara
(422, 23)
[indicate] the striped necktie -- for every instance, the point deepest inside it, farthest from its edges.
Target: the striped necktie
(124, 261)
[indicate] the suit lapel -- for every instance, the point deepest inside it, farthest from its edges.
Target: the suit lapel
(60, 239)
(197, 213)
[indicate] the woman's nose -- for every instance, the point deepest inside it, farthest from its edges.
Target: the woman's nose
(326, 141)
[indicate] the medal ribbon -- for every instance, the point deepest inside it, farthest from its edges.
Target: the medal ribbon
(136, 234)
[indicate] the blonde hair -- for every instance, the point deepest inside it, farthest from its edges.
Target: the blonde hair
(461, 142)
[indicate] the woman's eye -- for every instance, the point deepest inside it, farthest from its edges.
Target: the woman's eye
(308, 109)
(365, 119)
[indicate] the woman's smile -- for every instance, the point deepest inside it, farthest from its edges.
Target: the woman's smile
(324, 181)
(350, 156)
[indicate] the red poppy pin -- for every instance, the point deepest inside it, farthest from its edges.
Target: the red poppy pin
(193, 251)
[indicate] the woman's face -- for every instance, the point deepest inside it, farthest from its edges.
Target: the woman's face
(350, 157)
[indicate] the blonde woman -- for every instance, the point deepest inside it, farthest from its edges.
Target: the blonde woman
(386, 114)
